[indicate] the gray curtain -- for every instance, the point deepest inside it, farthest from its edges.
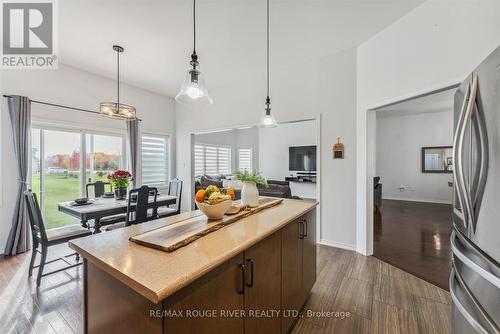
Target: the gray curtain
(133, 147)
(20, 119)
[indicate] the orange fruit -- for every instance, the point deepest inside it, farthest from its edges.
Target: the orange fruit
(200, 195)
(230, 192)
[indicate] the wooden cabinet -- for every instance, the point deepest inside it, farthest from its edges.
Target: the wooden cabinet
(291, 269)
(277, 274)
(263, 286)
(308, 254)
(220, 290)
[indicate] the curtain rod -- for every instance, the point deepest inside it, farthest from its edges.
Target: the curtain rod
(67, 107)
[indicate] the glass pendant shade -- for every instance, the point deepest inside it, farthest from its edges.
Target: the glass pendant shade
(117, 110)
(268, 121)
(193, 89)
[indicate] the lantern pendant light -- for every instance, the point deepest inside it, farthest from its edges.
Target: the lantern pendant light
(193, 88)
(268, 121)
(117, 109)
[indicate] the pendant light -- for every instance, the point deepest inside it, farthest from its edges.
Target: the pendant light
(193, 88)
(117, 109)
(268, 121)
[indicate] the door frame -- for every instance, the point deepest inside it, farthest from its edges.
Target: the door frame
(366, 165)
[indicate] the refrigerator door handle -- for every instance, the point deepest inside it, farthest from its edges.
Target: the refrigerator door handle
(487, 275)
(458, 141)
(480, 310)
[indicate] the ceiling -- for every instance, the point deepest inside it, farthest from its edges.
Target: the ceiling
(157, 35)
(438, 102)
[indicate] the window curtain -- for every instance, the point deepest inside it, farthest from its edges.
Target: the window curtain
(133, 148)
(20, 119)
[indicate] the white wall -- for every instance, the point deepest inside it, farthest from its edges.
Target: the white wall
(399, 142)
(300, 92)
(274, 143)
(436, 44)
(77, 88)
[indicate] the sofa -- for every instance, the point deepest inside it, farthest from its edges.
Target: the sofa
(377, 193)
(275, 188)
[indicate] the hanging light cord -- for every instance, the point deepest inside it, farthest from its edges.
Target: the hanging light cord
(118, 77)
(267, 49)
(194, 26)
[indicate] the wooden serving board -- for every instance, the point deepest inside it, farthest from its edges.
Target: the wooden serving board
(172, 237)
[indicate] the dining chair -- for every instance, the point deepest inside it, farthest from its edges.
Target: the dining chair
(137, 210)
(99, 188)
(174, 189)
(46, 238)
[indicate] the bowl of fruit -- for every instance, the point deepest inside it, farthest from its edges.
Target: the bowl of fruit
(213, 202)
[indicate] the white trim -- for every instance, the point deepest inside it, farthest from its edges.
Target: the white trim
(437, 201)
(365, 166)
(72, 126)
(336, 244)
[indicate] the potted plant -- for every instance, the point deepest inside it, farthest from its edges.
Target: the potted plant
(120, 180)
(249, 192)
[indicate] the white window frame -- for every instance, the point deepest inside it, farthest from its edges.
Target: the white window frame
(67, 127)
(169, 148)
(204, 158)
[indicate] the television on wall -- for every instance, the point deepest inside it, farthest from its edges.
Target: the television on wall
(302, 158)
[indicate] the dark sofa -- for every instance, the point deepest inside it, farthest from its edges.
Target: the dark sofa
(377, 193)
(274, 189)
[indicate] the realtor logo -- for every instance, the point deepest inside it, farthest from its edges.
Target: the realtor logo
(28, 34)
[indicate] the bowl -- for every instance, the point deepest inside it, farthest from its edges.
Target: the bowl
(82, 200)
(215, 211)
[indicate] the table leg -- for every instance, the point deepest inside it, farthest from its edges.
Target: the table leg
(84, 224)
(97, 225)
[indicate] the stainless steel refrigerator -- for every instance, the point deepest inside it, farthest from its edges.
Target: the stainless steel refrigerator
(475, 241)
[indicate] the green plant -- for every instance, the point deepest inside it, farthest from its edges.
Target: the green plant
(250, 177)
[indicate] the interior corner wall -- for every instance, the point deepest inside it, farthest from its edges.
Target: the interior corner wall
(302, 92)
(398, 155)
(73, 87)
(437, 44)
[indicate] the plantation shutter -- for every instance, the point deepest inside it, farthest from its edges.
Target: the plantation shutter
(211, 159)
(245, 159)
(155, 156)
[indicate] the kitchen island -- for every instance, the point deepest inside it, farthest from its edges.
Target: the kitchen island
(252, 276)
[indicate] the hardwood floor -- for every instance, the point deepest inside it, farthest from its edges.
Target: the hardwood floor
(379, 298)
(415, 237)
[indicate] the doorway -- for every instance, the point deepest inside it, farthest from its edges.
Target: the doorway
(413, 187)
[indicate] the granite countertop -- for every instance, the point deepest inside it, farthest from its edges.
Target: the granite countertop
(156, 274)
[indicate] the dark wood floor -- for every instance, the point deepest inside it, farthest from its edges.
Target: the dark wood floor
(378, 297)
(415, 237)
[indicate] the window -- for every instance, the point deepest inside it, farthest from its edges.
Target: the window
(155, 160)
(245, 156)
(212, 159)
(58, 171)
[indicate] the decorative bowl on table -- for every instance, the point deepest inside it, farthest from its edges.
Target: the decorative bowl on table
(215, 211)
(108, 194)
(213, 203)
(81, 201)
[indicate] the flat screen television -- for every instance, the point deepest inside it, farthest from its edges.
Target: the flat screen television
(302, 158)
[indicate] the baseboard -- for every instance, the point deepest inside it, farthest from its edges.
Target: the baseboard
(418, 200)
(337, 244)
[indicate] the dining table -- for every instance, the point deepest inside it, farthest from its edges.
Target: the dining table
(98, 208)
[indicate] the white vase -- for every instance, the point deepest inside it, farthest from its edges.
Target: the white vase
(250, 194)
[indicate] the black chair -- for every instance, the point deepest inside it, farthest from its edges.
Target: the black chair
(46, 238)
(174, 189)
(99, 188)
(138, 205)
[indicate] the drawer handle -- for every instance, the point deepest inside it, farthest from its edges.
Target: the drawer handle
(305, 228)
(241, 290)
(250, 261)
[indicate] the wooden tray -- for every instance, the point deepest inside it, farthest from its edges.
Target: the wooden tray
(172, 237)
